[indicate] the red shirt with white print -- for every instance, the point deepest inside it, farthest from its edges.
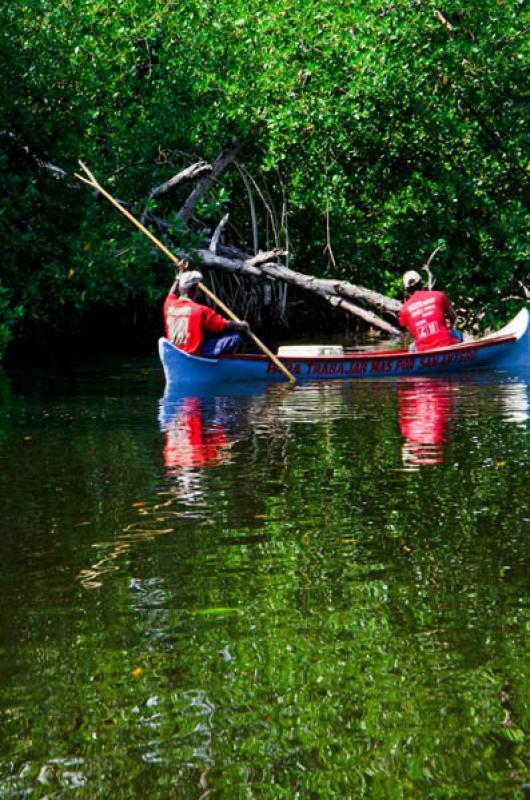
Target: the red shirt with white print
(424, 315)
(187, 322)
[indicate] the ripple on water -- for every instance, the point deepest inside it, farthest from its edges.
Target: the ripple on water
(318, 582)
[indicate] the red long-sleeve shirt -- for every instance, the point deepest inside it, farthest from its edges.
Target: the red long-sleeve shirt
(187, 322)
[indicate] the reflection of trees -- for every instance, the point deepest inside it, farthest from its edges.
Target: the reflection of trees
(336, 627)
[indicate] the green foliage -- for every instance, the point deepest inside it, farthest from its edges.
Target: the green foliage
(390, 125)
(9, 317)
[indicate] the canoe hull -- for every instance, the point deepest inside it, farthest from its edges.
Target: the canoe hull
(507, 349)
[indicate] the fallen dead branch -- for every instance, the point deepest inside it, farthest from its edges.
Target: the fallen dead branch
(263, 268)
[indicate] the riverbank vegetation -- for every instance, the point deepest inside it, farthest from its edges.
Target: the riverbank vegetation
(365, 135)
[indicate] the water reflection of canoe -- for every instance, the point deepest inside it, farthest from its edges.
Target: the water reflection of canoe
(508, 348)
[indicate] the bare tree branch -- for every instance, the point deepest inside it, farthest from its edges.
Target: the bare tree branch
(263, 257)
(440, 17)
(217, 234)
(57, 172)
(252, 205)
(214, 261)
(189, 173)
(427, 266)
(367, 316)
(338, 293)
(225, 158)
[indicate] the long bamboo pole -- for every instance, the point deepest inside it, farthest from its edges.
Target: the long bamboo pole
(94, 183)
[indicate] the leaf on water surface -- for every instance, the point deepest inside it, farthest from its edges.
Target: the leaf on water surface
(136, 672)
(219, 610)
(139, 503)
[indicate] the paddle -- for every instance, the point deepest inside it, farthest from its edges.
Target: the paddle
(94, 183)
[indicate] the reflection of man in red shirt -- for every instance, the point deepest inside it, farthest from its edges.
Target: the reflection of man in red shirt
(425, 407)
(189, 443)
(425, 313)
(195, 328)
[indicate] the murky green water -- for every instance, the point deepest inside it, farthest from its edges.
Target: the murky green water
(319, 592)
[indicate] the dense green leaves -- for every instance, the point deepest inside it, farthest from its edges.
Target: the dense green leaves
(386, 128)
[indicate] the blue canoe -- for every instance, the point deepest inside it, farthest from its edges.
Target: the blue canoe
(508, 348)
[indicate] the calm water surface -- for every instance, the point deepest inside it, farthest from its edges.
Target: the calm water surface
(307, 593)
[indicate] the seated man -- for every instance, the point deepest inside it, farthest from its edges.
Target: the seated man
(425, 313)
(195, 328)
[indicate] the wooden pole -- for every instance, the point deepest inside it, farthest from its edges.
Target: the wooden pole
(94, 183)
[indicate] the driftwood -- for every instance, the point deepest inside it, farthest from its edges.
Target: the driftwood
(215, 261)
(338, 293)
(261, 267)
(367, 316)
(341, 289)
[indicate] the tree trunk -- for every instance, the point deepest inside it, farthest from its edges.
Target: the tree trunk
(334, 291)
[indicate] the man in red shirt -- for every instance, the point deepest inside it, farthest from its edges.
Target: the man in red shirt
(425, 313)
(195, 328)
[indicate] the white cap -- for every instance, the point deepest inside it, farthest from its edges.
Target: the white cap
(189, 279)
(411, 278)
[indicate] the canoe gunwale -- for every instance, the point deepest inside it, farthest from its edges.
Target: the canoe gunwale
(378, 355)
